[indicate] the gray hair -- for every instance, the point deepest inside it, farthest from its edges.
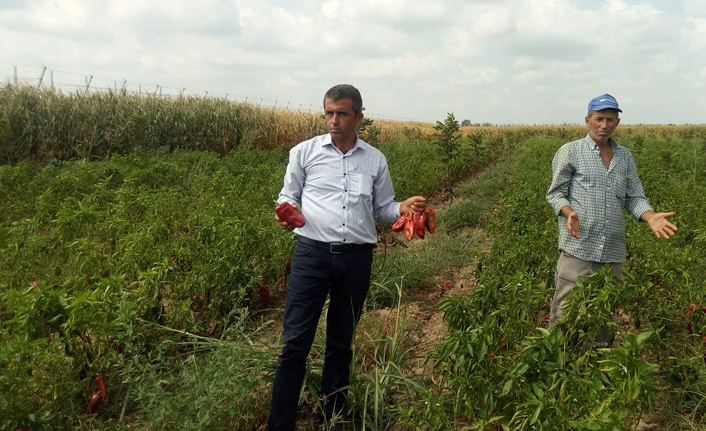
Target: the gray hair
(590, 113)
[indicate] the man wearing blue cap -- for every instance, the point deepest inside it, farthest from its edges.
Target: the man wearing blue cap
(594, 180)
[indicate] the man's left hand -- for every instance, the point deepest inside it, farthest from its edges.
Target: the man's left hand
(414, 204)
(659, 224)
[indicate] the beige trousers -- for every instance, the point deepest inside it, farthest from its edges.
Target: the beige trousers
(568, 269)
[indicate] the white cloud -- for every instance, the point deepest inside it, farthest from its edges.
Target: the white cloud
(415, 59)
(694, 33)
(695, 8)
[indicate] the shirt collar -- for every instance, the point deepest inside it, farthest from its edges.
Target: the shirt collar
(328, 141)
(592, 145)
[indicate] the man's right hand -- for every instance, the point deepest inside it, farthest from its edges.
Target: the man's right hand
(572, 220)
(572, 224)
(283, 224)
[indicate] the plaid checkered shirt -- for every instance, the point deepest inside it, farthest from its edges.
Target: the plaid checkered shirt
(599, 196)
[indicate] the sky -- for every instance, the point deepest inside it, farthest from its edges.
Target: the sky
(524, 62)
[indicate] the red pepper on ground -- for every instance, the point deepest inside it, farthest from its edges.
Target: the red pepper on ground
(264, 293)
(97, 397)
(286, 212)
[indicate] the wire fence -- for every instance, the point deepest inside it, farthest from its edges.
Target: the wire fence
(70, 82)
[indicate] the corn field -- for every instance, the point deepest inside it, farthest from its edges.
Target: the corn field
(40, 125)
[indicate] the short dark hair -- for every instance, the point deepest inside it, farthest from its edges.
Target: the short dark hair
(345, 91)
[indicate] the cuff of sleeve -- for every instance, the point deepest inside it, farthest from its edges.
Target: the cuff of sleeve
(558, 204)
(640, 209)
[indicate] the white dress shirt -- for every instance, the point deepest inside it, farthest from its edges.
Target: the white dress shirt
(340, 195)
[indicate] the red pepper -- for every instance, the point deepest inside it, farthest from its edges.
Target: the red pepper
(399, 224)
(430, 221)
(419, 223)
(97, 397)
(409, 227)
(691, 309)
(286, 212)
(264, 293)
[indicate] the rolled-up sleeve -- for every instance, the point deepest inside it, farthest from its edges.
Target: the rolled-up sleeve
(293, 179)
(636, 203)
(562, 172)
(385, 209)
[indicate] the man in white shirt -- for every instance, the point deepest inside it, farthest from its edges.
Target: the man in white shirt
(341, 185)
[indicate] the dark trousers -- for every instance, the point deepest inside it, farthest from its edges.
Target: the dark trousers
(316, 274)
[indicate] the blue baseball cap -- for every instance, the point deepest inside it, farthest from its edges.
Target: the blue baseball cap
(605, 101)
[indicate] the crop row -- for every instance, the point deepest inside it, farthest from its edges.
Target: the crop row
(99, 260)
(501, 368)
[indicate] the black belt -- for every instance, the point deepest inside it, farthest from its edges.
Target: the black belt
(336, 247)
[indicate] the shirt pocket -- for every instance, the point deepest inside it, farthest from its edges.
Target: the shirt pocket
(361, 184)
(620, 186)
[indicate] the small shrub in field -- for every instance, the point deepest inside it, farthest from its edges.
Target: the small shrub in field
(448, 139)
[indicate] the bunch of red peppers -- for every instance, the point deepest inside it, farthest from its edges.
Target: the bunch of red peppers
(416, 223)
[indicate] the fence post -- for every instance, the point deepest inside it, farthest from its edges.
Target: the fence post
(41, 77)
(89, 78)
